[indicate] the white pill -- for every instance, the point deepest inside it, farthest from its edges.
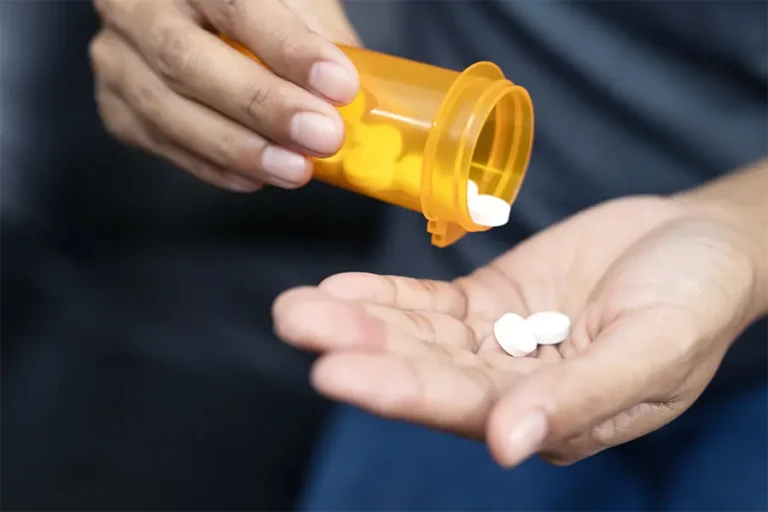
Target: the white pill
(472, 189)
(514, 335)
(488, 210)
(549, 327)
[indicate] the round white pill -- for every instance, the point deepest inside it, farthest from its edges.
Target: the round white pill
(549, 327)
(488, 210)
(514, 335)
(472, 189)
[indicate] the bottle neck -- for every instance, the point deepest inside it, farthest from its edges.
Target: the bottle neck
(483, 131)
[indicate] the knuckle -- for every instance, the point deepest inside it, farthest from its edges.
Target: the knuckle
(205, 172)
(231, 9)
(285, 39)
(174, 53)
(559, 459)
(603, 435)
(258, 99)
(147, 101)
(576, 447)
(295, 46)
(233, 155)
(98, 50)
(119, 125)
(103, 7)
(120, 130)
(199, 169)
(113, 125)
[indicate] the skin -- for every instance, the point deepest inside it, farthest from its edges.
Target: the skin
(167, 84)
(657, 289)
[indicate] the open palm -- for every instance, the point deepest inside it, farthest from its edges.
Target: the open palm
(646, 336)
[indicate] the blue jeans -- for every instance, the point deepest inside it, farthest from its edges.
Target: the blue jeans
(714, 457)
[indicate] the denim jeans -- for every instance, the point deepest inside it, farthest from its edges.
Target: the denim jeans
(711, 458)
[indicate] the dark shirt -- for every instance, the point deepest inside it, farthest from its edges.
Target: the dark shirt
(630, 98)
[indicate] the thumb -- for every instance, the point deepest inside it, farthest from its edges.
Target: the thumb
(614, 373)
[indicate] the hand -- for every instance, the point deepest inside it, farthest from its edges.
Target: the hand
(657, 289)
(168, 85)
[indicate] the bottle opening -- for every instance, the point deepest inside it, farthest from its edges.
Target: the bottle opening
(501, 153)
(483, 132)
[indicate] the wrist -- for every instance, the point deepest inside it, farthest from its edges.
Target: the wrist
(745, 229)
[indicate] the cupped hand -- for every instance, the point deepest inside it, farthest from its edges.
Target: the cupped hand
(166, 83)
(656, 290)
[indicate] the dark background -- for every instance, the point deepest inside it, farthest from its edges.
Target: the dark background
(139, 369)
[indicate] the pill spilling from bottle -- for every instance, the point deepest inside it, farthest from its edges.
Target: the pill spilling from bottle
(485, 209)
(520, 337)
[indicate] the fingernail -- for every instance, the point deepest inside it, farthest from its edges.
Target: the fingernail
(237, 183)
(333, 81)
(526, 437)
(286, 167)
(316, 132)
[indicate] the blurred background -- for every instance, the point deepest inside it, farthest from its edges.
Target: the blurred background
(139, 369)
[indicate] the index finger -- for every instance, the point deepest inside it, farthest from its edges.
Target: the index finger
(199, 65)
(274, 33)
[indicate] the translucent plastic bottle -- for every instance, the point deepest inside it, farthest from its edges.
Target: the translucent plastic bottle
(417, 133)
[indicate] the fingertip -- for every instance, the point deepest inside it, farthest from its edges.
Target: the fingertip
(241, 184)
(338, 81)
(285, 307)
(311, 319)
(321, 134)
(284, 299)
(495, 430)
(513, 434)
(374, 381)
(347, 285)
(341, 377)
(330, 374)
(285, 168)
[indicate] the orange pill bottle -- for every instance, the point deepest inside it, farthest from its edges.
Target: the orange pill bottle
(416, 134)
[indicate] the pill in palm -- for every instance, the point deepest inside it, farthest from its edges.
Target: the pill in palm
(549, 327)
(514, 335)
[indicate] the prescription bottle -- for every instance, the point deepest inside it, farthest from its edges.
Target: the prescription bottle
(416, 133)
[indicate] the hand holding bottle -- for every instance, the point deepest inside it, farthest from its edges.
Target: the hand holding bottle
(166, 83)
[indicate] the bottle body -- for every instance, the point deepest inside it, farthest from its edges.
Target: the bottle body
(416, 134)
